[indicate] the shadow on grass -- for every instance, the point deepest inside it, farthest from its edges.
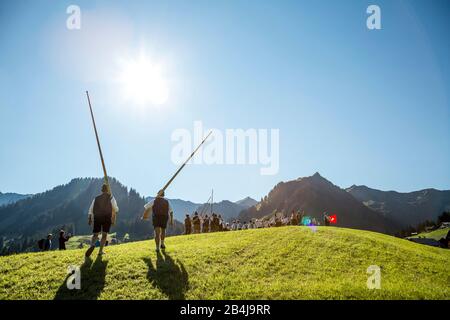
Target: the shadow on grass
(169, 276)
(92, 282)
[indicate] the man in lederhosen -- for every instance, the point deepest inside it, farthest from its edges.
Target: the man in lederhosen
(161, 213)
(102, 213)
(196, 223)
(187, 225)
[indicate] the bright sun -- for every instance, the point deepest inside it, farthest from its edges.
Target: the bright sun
(142, 82)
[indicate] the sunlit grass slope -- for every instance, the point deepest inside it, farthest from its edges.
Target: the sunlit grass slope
(435, 234)
(275, 263)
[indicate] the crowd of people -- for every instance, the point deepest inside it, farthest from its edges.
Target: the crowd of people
(197, 223)
(204, 223)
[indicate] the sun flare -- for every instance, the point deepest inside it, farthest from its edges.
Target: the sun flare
(142, 82)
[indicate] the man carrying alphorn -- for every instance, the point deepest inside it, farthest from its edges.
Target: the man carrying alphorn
(162, 213)
(161, 209)
(102, 214)
(103, 209)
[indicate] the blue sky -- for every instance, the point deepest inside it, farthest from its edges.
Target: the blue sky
(358, 106)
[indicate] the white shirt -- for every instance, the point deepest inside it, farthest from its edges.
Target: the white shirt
(113, 204)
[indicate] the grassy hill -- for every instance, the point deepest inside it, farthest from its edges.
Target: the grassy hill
(275, 263)
(435, 234)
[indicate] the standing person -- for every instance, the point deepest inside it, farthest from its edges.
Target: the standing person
(212, 223)
(162, 213)
(220, 223)
(102, 214)
(48, 242)
(62, 240)
(294, 218)
(206, 224)
(277, 221)
(216, 222)
(196, 222)
(326, 219)
(187, 225)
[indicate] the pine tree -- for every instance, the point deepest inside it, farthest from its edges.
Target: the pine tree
(444, 217)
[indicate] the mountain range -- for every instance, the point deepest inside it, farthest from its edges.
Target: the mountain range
(315, 195)
(247, 202)
(9, 198)
(227, 209)
(357, 207)
(406, 209)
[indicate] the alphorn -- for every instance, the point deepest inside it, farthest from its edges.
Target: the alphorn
(146, 213)
(105, 175)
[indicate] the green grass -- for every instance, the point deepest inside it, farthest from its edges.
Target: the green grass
(275, 263)
(435, 234)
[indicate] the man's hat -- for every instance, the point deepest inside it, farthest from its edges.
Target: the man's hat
(160, 193)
